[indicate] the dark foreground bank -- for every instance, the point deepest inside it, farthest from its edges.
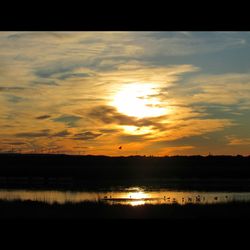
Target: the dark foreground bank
(92, 210)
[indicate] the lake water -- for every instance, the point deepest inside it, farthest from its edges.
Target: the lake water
(127, 196)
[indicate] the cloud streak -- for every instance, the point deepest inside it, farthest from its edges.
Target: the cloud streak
(42, 117)
(88, 135)
(59, 93)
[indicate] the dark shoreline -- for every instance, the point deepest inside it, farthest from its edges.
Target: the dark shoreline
(67, 172)
(99, 168)
(93, 210)
(240, 185)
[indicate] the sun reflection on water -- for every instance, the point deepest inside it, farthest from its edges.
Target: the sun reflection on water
(137, 195)
(133, 196)
(137, 203)
(137, 198)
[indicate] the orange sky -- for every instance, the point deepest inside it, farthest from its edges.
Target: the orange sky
(153, 93)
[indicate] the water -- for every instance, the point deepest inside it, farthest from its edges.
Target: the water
(127, 196)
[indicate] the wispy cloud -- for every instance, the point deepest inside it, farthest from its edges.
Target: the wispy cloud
(61, 133)
(88, 135)
(235, 141)
(70, 120)
(11, 89)
(59, 93)
(42, 133)
(42, 117)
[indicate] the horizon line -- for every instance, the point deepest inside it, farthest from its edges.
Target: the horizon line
(112, 156)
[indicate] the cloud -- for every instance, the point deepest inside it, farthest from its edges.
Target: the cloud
(220, 89)
(11, 89)
(90, 99)
(48, 72)
(63, 52)
(42, 133)
(61, 133)
(57, 72)
(88, 135)
(38, 35)
(110, 115)
(235, 141)
(45, 82)
(182, 44)
(15, 143)
(75, 76)
(69, 120)
(157, 129)
(15, 99)
(193, 127)
(109, 131)
(43, 117)
(132, 138)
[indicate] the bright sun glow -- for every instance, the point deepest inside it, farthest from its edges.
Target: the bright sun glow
(137, 195)
(137, 130)
(138, 100)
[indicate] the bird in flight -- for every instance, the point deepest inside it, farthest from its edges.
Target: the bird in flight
(120, 147)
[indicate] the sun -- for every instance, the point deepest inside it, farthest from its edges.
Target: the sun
(138, 100)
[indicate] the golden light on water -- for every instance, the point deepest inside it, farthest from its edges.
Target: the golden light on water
(137, 203)
(138, 100)
(137, 198)
(137, 195)
(134, 197)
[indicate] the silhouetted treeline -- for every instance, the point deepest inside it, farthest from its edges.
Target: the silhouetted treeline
(121, 168)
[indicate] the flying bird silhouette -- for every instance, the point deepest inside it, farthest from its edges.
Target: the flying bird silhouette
(120, 147)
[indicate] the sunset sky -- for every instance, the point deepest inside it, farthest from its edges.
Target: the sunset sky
(153, 93)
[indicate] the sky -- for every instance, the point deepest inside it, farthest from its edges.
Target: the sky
(149, 93)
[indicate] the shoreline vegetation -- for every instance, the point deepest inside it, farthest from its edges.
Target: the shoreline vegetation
(100, 210)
